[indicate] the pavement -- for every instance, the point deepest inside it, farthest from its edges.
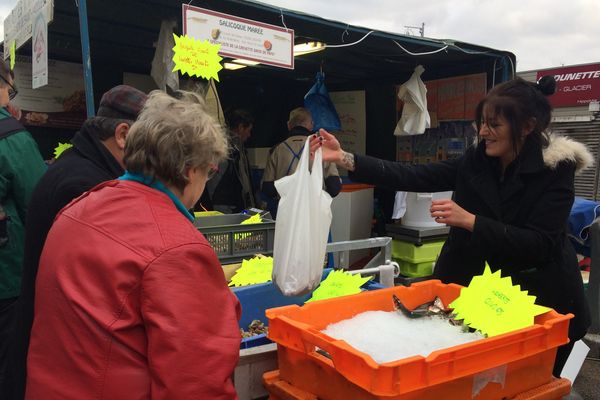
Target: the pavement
(587, 383)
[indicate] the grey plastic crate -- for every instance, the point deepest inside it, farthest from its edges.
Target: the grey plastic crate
(233, 242)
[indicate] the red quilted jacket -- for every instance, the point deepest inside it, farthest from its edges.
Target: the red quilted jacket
(131, 303)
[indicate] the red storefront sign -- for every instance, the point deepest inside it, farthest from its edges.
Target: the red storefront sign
(575, 86)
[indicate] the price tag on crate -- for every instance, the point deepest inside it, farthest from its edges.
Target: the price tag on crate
(338, 283)
(493, 305)
(255, 219)
(253, 271)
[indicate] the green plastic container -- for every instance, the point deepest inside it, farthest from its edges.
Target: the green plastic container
(415, 270)
(416, 260)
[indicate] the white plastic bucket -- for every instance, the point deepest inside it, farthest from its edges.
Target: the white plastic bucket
(417, 209)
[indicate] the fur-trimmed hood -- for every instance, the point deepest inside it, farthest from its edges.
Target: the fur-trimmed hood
(562, 148)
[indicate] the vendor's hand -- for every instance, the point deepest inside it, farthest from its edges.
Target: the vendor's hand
(448, 212)
(332, 151)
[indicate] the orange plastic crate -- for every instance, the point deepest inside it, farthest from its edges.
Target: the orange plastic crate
(554, 390)
(525, 357)
(281, 390)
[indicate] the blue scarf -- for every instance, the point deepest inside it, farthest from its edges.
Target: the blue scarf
(155, 184)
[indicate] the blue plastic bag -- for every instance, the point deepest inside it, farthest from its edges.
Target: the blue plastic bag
(321, 108)
(583, 214)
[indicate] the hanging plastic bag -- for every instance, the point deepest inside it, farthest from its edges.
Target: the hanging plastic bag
(415, 117)
(302, 227)
(318, 102)
(162, 63)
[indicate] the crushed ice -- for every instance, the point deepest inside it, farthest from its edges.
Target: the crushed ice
(390, 336)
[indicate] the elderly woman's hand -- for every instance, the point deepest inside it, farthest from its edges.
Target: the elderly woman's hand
(447, 212)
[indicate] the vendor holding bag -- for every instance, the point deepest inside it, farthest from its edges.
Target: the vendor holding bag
(512, 197)
(131, 301)
(285, 156)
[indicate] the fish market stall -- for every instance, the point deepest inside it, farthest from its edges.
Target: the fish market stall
(500, 367)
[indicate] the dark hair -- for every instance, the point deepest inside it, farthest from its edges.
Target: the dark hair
(104, 128)
(520, 102)
(5, 71)
(237, 117)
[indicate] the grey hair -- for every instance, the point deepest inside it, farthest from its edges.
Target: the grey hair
(300, 117)
(171, 135)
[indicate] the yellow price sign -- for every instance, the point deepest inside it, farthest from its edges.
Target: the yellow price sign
(196, 57)
(338, 283)
(255, 219)
(58, 150)
(493, 305)
(253, 271)
(13, 54)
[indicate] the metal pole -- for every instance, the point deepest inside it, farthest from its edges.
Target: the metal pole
(85, 55)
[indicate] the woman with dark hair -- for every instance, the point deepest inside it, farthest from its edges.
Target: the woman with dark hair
(512, 196)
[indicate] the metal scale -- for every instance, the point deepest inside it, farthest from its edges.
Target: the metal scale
(417, 235)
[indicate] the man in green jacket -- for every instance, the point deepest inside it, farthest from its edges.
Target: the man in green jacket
(21, 165)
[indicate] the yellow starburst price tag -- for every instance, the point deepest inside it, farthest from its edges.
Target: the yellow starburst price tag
(338, 283)
(13, 54)
(196, 57)
(253, 271)
(255, 219)
(493, 305)
(58, 150)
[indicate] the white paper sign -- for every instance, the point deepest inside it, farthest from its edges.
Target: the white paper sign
(18, 24)
(350, 107)
(575, 361)
(39, 51)
(240, 37)
(59, 104)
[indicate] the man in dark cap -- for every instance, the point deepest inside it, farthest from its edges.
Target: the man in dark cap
(96, 156)
(230, 190)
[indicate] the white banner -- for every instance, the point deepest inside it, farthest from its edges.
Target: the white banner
(240, 37)
(39, 51)
(59, 104)
(18, 24)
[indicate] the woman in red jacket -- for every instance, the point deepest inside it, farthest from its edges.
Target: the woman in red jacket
(131, 301)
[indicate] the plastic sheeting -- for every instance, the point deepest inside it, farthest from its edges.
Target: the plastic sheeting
(415, 117)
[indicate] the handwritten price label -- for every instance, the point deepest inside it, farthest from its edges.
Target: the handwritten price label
(196, 57)
(253, 271)
(338, 283)
(493, 305)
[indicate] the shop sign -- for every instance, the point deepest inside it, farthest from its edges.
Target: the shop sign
(18, 24)
(59, 104)
(240, 37)
(575, 86)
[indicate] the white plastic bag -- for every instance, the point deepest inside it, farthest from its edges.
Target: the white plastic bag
(162, 63)
(415, 117)
(302, 227)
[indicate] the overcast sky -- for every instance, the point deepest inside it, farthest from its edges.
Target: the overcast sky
(542, 34)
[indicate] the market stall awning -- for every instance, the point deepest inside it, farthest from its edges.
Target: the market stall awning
(123, 35)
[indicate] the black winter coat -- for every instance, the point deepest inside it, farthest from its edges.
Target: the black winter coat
(521, 218)
(77, 170)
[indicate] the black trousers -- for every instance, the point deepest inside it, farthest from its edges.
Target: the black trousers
(561, 357)
(7, 321)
